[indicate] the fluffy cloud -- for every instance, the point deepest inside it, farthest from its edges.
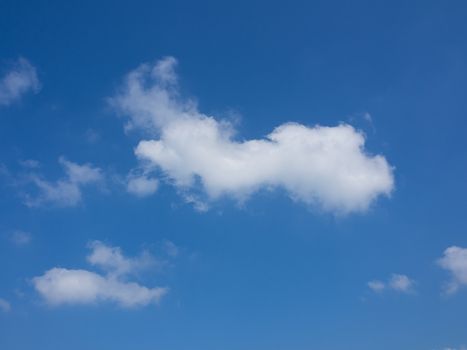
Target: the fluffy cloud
(76, 286)
(66, 191)
(112, 260)
(63, 286)
(142, 186)
(397, 282)
(454, 260)
(21, 79)
(4, 305)
(321, 166)
(401, 283)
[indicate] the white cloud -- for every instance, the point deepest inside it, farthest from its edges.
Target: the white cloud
(397, 282)
(63, 286)
(4, 305)
(171, 249)
(30, 163)
(454, 261)
(367, 116)
(321, 166)
(376, 286)
(66, 191)
(199, 205)
(91, 136)
(142, 186)
(21, 79)
(81, 174)
(401, 283)
(20, 237)
(76, 286)
(112, 260)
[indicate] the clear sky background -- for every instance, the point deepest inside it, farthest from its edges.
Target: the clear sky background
(351, 235)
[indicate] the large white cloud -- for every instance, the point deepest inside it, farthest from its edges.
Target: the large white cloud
(76, 286)
(454, 260)
(22, 78)
(322, 166)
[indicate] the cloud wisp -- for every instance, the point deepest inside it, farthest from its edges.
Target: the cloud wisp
(19, 80)
(59, 286)
(65, 192)
(454, 260)
(20, 238)
(325, 167)
(4, 305)
(397, 282)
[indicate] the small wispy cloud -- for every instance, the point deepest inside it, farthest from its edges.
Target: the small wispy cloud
(199, 205)
(20, 238)
(4, 305)
(396, 282)
(91, 136)
(66, 191)
(171, 249)
(367, 117)
(29, 163)
(19, 80)
(142, 185)
(112, 260)
(376, 285)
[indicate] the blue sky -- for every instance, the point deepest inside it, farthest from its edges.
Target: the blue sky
(249, 175)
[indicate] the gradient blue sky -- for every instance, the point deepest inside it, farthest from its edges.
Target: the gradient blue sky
(266, 271)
